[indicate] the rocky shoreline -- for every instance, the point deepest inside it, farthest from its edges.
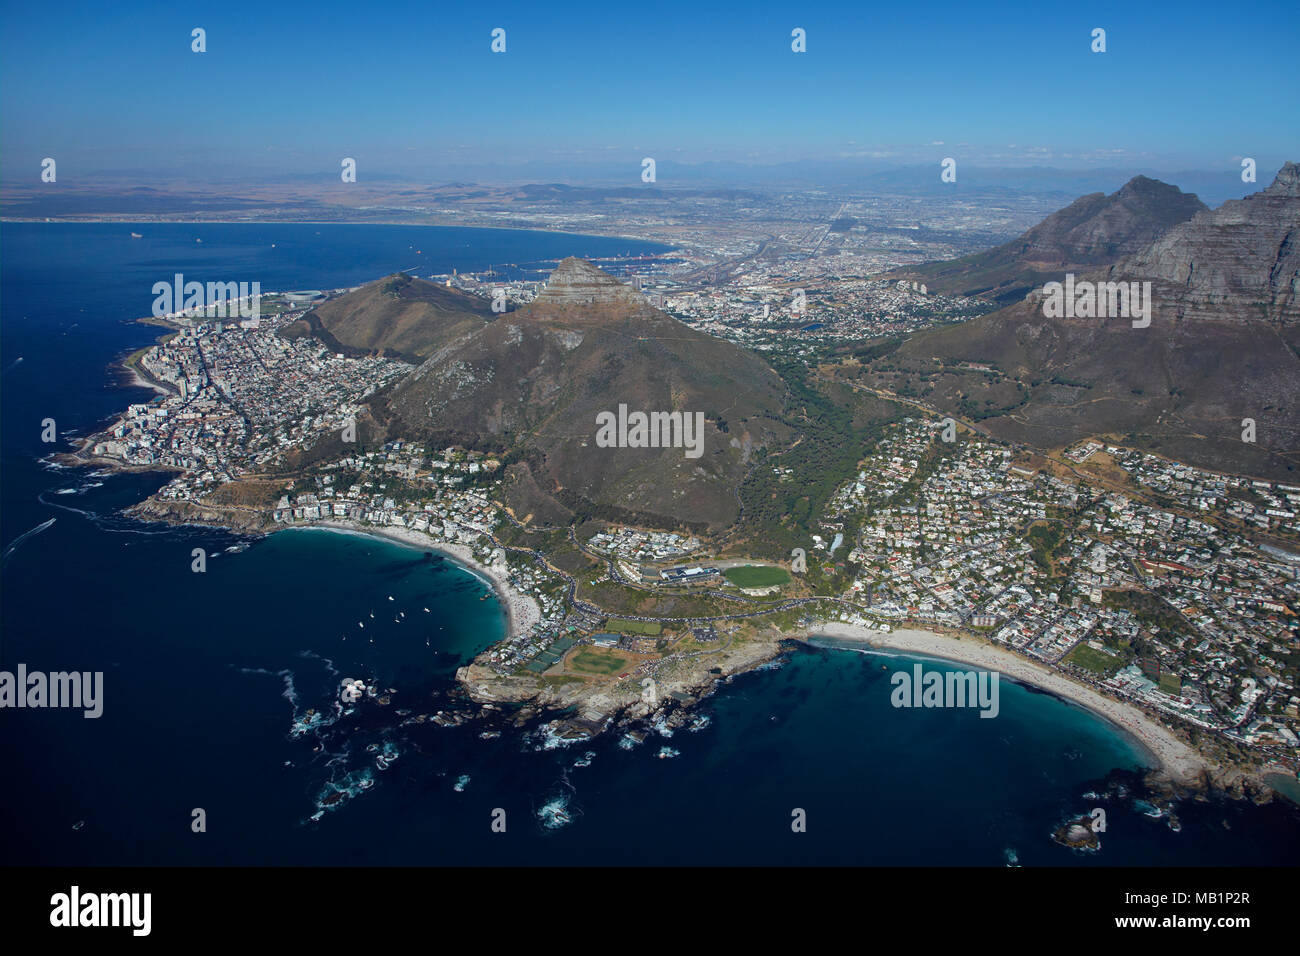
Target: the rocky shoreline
(598, 705)
(1177, 771)
(229, 518)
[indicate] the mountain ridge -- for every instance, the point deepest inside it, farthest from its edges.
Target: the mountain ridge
(1202, 268)
(1092, 231)
(1222, 346)
(399, 316)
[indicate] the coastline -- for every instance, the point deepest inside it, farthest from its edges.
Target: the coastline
(139, 377)
(139, 381)
(522, 610)
(1173, 763)
(450, 223)
(1174, 759)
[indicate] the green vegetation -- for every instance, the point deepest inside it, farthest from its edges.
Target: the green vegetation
(756, 576)
(786, 492)
(619, 599)
(1147, 608)
(1046, 540)
(556, 680)
(597, 660)
(1091, 659)
(574, 561)
(877, 349)
(585, 511)
(648, 628)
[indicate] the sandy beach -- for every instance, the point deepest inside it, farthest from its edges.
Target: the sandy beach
(140, 381)
(140, 378)
(522, 611)
(1176, 759)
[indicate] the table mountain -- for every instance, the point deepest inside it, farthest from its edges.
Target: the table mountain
(1222, 346)
(1235, 263)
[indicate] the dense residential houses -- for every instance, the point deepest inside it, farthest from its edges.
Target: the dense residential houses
(429, 489)
(1180, 613)
(1264, 505)
(632, 545)
(238, 398)
(771, 303)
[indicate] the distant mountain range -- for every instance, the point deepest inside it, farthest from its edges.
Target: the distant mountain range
(278, 192)
(1223, 343)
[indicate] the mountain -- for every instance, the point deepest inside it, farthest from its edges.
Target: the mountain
(1094, 230)
(1238, 262)
(534, 382)
(399, 316)
(581, 292)
(1223, 345)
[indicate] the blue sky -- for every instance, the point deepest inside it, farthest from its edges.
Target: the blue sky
(412, 86)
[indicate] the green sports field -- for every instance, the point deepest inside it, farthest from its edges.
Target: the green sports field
(1094, 660)
(756, 576)
(597, 661)
(648, 628)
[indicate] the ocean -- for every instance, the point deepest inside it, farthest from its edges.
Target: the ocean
(218, 687)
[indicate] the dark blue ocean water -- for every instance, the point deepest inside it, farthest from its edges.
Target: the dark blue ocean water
(205, 674)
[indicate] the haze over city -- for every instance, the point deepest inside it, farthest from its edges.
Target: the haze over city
(588, 91)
